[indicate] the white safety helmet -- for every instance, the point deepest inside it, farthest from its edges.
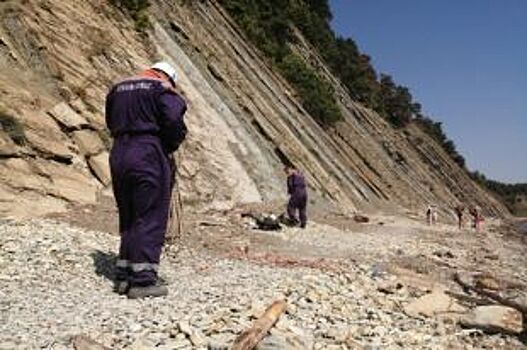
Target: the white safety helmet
(166, 68)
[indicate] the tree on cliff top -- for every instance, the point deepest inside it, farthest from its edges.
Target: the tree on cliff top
(268, 25)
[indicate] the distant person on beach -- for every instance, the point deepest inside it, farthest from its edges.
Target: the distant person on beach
(145, 116)
(434, 215)
(297, 191)
(431, 215)
(460, 211)
(477, 217)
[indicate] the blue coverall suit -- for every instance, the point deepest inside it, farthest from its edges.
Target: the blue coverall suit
(146, 119)
(296, 188)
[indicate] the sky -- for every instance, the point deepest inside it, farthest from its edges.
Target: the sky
(465, 61)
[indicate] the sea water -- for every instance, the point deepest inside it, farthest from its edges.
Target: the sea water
(523, 227)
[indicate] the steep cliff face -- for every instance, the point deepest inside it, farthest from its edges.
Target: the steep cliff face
(58, 59)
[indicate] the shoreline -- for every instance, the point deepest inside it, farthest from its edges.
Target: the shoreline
(521, 224)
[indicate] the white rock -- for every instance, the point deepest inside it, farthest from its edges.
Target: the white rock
(495, 318)
(67, 117)
(88, 141)
(100, 165)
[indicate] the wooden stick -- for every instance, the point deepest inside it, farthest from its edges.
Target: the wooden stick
(82, 342)
(175, 215)
(252, 336)
(179, 204)
(179, 210)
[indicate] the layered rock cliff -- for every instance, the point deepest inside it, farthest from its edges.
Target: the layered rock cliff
(58, 59)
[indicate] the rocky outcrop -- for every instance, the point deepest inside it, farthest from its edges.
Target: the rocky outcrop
(58, 60)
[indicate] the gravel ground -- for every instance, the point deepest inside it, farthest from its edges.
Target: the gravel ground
(56, 283)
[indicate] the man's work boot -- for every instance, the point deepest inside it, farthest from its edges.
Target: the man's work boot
(292, 222)
(152, 291)
(121, 287)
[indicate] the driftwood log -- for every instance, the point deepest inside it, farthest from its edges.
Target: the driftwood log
(252, 336)
(470, 299)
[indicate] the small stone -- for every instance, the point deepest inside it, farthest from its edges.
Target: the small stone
(135, 327)
(217, 346)
(8, 345)
(282, 341)
(142, 344)
(389, 287)
(197, 339)
(179, 344)
(487, 282)
(184, 327)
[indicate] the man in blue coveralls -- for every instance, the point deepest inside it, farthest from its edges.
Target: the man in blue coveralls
(145, 117)
(296, 188)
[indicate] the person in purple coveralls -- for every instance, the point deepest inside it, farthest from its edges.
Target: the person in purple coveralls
(296, 188)
(145, 117)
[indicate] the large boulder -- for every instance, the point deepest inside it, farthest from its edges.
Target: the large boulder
(19, 174)
(39, 178)
(283, 340)
(494, 318)
(50, 145)
(433, 304)
(487, 282)
(68, 182)
(28, 203)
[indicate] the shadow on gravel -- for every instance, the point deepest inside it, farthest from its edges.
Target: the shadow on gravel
(104, 263)
(523, 335)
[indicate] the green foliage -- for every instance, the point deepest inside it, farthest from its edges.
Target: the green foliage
(137, 9)
(264, 22)
(356, 72)
(267, 24)
(508, 193)
(396, 102)
(435, 130)
(13, 128)
(316, 93)
(341, 55)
